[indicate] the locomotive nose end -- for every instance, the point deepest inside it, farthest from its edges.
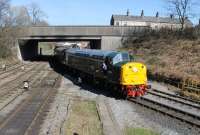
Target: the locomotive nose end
(133, 73)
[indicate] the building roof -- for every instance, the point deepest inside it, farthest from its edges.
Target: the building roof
(148, 19)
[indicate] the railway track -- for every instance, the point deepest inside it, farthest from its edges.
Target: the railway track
(13, 89)
(176, 99)
(10, 68)
(26, 115)
(6, 74)
(177, 96)
(20, 120)
(10, 94)
(34, 127)
(171, 105)
(20, 76)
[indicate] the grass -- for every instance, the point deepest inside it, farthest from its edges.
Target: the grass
(83, 119)
(139, 131)
(5, 52)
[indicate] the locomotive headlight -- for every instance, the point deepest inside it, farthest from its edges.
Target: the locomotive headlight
(135, 69)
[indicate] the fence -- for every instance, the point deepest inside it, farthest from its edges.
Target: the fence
(185, 85)
(190, 86)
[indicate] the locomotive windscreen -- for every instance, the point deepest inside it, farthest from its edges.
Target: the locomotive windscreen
(120, 57)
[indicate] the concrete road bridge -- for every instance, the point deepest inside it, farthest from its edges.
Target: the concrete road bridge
(100, 37)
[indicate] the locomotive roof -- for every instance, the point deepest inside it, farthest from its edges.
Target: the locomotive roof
(92, 52)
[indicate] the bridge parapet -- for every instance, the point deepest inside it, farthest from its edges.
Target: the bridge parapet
(84, 30)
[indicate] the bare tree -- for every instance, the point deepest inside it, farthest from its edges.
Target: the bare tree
(4, 8)
(182, 9)
(36, 14)
(43, 23)
(18, 16)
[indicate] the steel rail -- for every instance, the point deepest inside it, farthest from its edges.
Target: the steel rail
(29, 111)
(16, 66)
(168, 110)
(17, 95)
(175, 99)
(177, 96)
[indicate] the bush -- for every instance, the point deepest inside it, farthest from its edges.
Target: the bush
(163, 33)
(152, 60)
(4, 51)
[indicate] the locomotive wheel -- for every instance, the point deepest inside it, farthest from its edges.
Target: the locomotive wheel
(98, 83)
(95, 82)
(102, 84)
(125, 95)
(79, 80)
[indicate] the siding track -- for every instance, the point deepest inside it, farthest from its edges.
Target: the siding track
(29, 113)
(171, 105)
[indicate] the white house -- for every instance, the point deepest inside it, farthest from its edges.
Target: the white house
(155, 22)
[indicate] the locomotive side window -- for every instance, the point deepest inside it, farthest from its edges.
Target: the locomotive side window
(118, 58)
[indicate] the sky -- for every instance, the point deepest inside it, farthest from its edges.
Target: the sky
(93, 12)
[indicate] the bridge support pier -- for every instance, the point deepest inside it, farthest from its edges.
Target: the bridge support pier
(28, 49)
(111, 42)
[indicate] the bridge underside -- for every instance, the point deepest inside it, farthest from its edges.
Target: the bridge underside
(28, 47)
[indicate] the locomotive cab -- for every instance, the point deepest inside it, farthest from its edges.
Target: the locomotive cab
(116, 57)
(131, 75)
(112, 63)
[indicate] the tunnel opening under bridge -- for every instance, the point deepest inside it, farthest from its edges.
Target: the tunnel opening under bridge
(43, 49)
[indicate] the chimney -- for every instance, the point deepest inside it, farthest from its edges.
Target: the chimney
(157, 14)
(142, 13)
(127, 13)
(171, 16)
